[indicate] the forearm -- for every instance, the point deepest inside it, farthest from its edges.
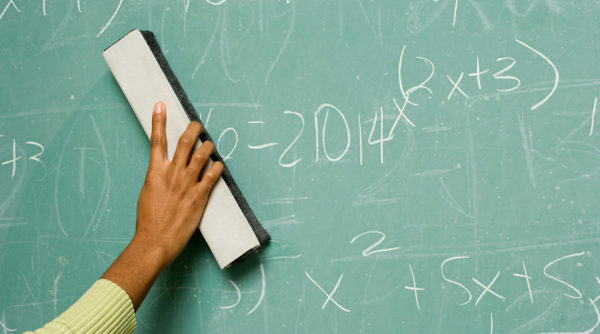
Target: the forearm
(170, 206)
(136, 269)
(109, 305)
(104, 308)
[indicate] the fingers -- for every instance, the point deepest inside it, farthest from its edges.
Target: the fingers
(186, 144)
(209, 178)
(158, 138)
(199, 159)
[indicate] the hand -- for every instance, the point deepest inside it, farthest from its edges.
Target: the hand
(172, 199)
(170, 206)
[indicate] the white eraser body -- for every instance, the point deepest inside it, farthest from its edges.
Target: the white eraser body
(223, 225)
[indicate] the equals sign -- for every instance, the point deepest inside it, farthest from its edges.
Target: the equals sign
(263, 146)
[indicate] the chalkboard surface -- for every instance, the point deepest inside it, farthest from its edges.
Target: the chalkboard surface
(422, 166)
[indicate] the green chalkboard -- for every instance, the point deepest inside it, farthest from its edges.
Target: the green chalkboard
(422, 166)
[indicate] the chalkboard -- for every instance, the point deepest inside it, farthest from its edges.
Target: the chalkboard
(422, 166)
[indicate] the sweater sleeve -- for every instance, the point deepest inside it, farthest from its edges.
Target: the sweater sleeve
(104, 308)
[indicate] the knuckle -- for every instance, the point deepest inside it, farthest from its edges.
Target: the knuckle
(209, 179)
(218, 168)
(155, 141)
(185, 141)
(200, 156)
(209, 176)
(157, 118)
(196, 126)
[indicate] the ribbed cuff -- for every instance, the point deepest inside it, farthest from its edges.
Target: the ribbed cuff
(104, 308)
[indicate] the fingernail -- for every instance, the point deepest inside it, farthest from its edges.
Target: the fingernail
(159, 107)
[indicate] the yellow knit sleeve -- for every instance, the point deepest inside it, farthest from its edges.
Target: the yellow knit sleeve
(104, 308)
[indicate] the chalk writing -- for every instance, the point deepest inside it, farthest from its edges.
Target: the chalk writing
(578, 294)
(439, 212)
(15, 157)
(239, 296)
(556, 74)
(10, 3)
(460, 285)
(285, 151)
(322, 134)
(379, 134)
(527, 279)
(488, 288)
(414, 287)
(235, 142)
(370, 250)
(110, 19)
(263, 281)
(593, 116)
(330, 294)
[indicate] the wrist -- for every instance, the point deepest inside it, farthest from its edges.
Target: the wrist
(136, 269)
(149, 253)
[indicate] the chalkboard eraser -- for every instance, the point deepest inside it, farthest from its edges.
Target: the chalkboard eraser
(228, 225)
